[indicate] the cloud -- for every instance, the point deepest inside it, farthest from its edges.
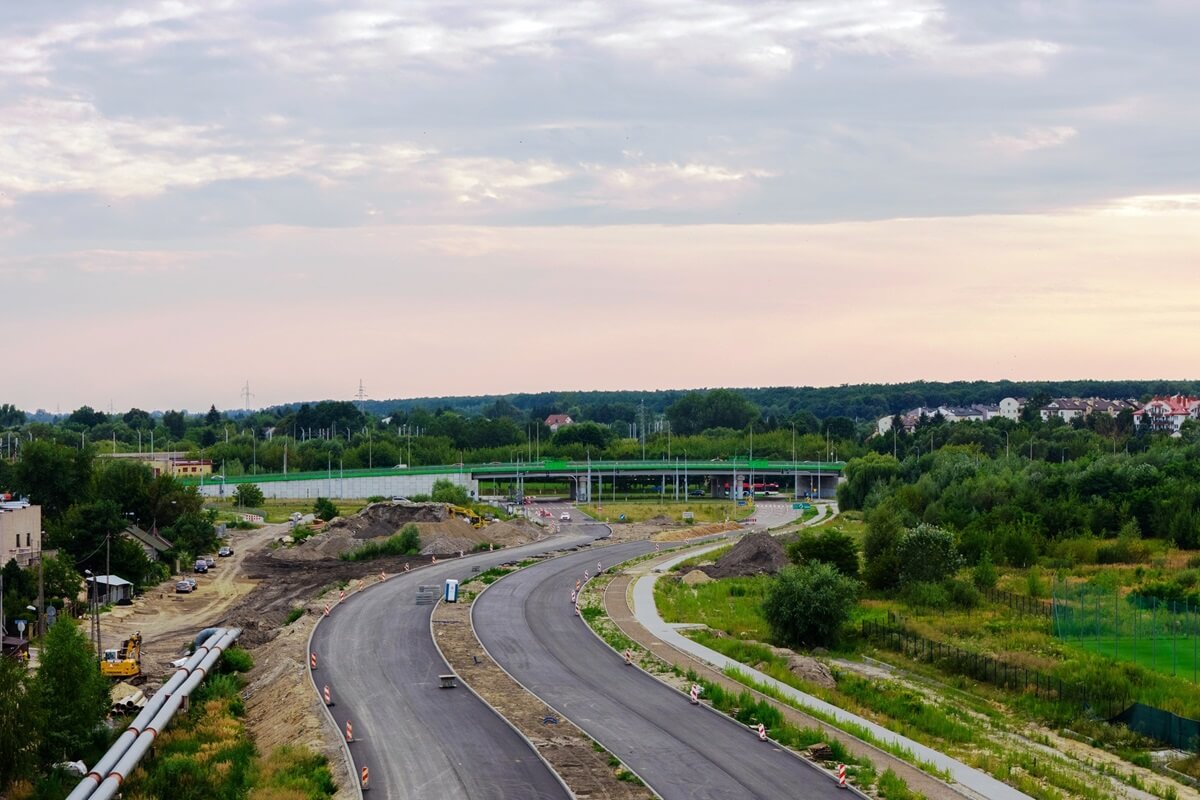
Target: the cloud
(1032, 139)
(1155, 205)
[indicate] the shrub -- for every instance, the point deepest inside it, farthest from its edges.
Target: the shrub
(293, 615)
(926, 554)
(324, 509)
(923, 594)
(830, 546)
(963, 594)
(405, 543)
(235, 659)
(248, 494)
(445, 491)
(879, 548)
(808, 605)
(984, 573)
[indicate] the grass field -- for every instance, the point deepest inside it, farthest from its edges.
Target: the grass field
(1178, 656)
(702, 510)
(280, 510)
(733, 605)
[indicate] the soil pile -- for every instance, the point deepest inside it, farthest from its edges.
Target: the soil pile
(754, 554)
(385, 519)
(695, 577)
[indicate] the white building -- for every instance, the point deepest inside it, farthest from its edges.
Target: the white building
(20, 532)
(1010, 408)
(1167, 414)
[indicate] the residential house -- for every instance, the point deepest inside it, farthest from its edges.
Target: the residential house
(1070, 408)
(154, 544)
(556, 421)
(1011, 407)
(1167, 414)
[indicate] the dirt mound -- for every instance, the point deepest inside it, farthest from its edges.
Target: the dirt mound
(696, 576)
(683, 534)
(754, 554)
(807, 669)
(385, 519)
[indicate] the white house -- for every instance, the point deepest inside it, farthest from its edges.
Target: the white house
(1167, 414)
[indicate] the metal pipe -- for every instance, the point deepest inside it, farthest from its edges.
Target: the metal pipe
(110, 771)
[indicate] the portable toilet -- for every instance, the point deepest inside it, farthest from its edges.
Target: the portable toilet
(450, 595)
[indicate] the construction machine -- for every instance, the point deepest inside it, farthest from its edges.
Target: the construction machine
(467, 514)
(125, 663)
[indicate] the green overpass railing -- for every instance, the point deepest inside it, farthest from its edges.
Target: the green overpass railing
(543, 467)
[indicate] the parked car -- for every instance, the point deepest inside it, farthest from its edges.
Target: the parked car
(200, 566)
(188, 579)
(697, 493)
(565, 516)
(225, 552)
(210, 561)
(184, 587)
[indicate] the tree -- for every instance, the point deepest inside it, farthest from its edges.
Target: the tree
(588, 434)
(20, 718)
(87, 417)
(11, 417)
(249, 495)
(862, 474)
(137, 419)
(445, 491)
(879, 548)
(192, 533)
(83, 532)
(926, 554)
(53, 475)
(808, 605)
(410, 539)
(839, 428)
(213, 417)
(324, 509)
(72, 694)
(829, 546)
(175, 422)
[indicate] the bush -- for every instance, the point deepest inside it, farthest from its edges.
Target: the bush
(405, 543)
(235, 659)
(926, 554)
(922, 594)
(445, 491)
(1125, 550)
(324, 509)
(830, 546)
(808, 605)
(879, 548)
(984, 574)
(293, 615)
(963, 594)
(248, 494)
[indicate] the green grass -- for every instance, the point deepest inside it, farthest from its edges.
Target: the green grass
(1169, 655)
(395, 545)
(704, 558)
(293, 615)
(703, 511)
(732, 605)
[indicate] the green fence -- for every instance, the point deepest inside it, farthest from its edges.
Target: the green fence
(1162, 635)
(1162, 725)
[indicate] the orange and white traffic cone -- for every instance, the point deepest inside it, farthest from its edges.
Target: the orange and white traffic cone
(327, 611)
(341, 595)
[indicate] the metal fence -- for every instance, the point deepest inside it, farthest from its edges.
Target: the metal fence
(1163, 635)
(1021, 603)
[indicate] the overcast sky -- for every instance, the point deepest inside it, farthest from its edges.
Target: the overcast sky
(483, 197)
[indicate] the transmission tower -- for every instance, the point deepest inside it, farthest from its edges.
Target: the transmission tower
(361, 395)
(246, 395)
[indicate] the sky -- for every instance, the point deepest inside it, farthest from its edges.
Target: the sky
(471, 198)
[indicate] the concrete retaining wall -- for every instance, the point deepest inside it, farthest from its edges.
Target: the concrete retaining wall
(337, 488)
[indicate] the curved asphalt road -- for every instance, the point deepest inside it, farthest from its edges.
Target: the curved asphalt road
(527, 624)
(420, 742)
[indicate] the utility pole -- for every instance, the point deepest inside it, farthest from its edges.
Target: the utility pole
(41, 625)
(246, 395)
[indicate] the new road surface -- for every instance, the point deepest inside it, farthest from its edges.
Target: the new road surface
(527, 623)
(419, 741)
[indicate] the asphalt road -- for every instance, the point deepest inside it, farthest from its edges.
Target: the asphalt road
(527, 624)
(419, 741)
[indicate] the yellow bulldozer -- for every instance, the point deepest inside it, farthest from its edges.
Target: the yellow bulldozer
(125, 663)
(467, 514)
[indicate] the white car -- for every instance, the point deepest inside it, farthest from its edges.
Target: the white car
(565, 516)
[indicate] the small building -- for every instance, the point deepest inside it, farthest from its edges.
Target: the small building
(154, 544)
(109, 589)
(20, 532)
(1011, 408)
(556, 421)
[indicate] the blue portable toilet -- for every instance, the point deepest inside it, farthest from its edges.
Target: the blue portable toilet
(450, 593)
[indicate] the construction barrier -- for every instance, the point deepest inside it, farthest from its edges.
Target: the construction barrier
(312, 660)
(406, 566)
(434, 560)
(327, 611)
(762, 732)
(841, 776)
(382, 576)
(656, 547)
(349, 731)
(328, 699)
(366, 779)
(599, 569)
(628, 657)
(341, 595)
(460, 553)
(695, 694)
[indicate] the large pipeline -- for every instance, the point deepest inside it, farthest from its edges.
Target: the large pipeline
(106, 777)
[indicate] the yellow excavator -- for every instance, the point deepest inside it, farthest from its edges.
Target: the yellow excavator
(467, 514)
(125, 663)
